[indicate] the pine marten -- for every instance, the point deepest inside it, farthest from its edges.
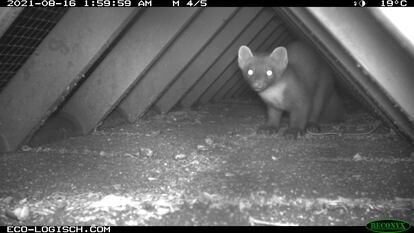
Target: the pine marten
(294, 79)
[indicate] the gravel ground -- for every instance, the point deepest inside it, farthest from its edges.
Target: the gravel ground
(207, 166)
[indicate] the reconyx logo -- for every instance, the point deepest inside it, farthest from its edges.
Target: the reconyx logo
(388, 225)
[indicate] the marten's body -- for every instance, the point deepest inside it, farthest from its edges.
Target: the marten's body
(294, 79)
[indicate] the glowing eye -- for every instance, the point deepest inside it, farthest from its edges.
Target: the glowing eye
(269, 73)
(250, 72)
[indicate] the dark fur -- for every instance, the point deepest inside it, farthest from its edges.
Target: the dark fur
(301, 83)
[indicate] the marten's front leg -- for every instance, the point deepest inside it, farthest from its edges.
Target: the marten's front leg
(273, 121)
(298, 119)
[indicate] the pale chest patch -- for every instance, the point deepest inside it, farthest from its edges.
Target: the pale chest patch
(274, 95)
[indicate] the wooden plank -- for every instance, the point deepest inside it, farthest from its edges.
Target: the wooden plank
(174, 60)
(127, 62)
(7, 16)
(223, 61)
(55, 67)
(149, 36)
(199, 65)
(385, 82)
(245, 91)
(234, 88)
(226, 87)
(392, 68)
(240, 91)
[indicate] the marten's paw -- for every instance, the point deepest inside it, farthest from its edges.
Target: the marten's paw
(292, 133)
(268, 130)
(313, 127)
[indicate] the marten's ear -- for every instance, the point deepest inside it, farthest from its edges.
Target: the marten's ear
(280, 56)
(244, 55)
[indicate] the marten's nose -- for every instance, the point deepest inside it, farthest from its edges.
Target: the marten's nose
(257, 85)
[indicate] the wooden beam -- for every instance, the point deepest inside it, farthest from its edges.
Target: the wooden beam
(174, 60)
(245, 91)
(58, 63)
(7, 16)
(234, 88)
(369, 57)
(123, 67)
(207, 57)
(240, 90)
(133, 54)
(223, 61)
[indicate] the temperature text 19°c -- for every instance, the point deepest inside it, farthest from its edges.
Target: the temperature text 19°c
(393, 2)
(191, 3)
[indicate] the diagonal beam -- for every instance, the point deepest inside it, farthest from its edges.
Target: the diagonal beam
(369, 57)
(126, 64)
(223, 61)
(202, 63)
(174, 60)
(58, 63)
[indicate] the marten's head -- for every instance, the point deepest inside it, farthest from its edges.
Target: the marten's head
(261, 71)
